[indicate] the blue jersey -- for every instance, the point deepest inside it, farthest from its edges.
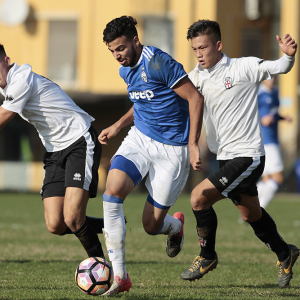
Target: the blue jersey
(159, 112)
(268, 104)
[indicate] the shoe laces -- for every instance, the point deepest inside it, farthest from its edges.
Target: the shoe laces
(279, 264)
(195, 264)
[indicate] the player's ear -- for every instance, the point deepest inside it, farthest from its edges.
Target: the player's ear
(136, 41)
(7, 60)
(219, 45)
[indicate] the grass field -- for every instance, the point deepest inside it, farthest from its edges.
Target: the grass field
(37, 265)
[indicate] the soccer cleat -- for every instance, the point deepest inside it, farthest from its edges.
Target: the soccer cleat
(175, 242)
(119, 285)
(285, 267)
(199, 267)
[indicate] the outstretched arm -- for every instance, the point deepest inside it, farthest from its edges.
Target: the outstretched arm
(5, 116)
(284, 64)
(186, 90)
(114, 129)
(288, 46)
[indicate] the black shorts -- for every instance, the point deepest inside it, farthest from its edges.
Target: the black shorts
(75, 166)
(238, 176)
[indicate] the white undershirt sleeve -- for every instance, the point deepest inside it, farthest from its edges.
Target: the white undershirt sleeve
(281, 65)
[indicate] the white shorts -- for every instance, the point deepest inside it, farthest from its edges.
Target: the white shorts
(167, 166)
(274, 162)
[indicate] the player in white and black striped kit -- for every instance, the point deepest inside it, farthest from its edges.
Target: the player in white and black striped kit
(73, 150)
(232, 122)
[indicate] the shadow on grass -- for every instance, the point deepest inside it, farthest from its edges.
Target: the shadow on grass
(11, 261)
(150, 262)
(134, 298)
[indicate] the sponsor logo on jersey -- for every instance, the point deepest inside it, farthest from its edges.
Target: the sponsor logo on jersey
(144, 76)
(141, 95)
(261, 61)
(8, 98)
(228, 82)
(223, 180)
(77, 176)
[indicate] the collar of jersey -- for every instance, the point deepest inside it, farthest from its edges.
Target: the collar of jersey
(222, 61)
(140, 59)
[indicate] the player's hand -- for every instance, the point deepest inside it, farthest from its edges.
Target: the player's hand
(195, 159)
(288, 119)
(267, 120)
(107, 134)
(288, 46)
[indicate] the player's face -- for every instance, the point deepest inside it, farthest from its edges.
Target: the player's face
(207, 52)
(4, 68)
(124, 51)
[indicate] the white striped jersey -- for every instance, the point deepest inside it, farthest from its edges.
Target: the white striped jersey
(41, 102)
(231, 115)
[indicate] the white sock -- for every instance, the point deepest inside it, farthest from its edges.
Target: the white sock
(170, 225)
(260, 189)
(114, 232)
(270, 189)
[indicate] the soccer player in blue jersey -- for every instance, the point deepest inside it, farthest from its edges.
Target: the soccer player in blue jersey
(167, 115)
(268, 105)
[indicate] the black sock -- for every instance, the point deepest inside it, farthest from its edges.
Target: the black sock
(89, 240)
(96, 223)
(207, 223)
(265, 229)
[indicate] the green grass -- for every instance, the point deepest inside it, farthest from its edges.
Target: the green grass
(37, 265)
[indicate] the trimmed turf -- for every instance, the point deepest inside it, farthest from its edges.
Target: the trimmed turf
(37, 265)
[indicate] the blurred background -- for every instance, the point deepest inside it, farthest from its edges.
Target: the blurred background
(62, 40)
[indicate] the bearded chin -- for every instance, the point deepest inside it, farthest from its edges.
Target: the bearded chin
(134, 56)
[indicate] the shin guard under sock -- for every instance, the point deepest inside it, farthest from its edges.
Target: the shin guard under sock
(265, 229)
(114, 232)
(89, 240)
(96, 223)
(206, 228)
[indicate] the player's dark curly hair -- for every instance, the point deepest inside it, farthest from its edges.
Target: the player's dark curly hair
(2, 51)
(123, 26)
(204, 27)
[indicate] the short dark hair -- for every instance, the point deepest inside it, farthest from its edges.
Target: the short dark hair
(123, 26)
(2, 51)
(205, 27)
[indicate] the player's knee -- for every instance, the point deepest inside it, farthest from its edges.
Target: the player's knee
(197, 200)
(55, 227)
(279, 180)
(111, 192)
(115, 192)
(73, 223)
(150, 227)
(251, 217)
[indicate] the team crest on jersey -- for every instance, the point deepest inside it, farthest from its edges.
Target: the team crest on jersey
(228, 82)
(144, 76)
